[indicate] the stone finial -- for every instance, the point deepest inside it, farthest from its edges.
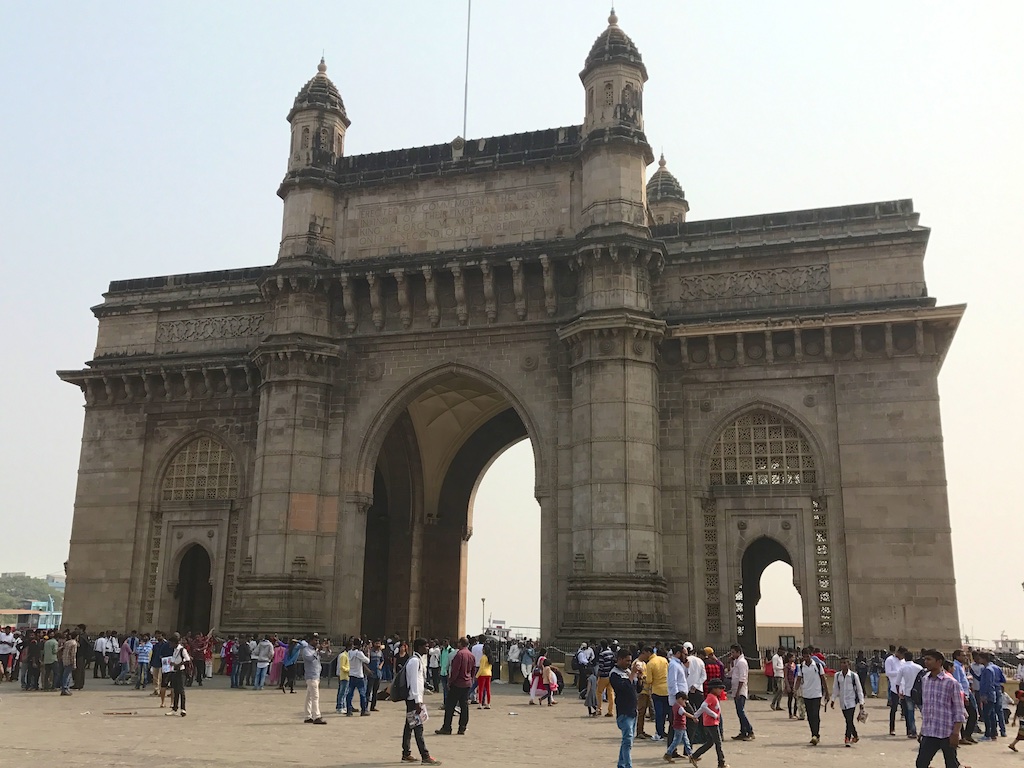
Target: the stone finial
(613, 20)
(661, 162)
(322, 66)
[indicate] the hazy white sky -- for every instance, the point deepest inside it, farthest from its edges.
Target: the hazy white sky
(138, 139)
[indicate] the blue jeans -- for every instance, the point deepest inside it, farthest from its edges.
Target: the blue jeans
(679, 737)
(660, 713)
(745, 727)
(908, 715)
(143, 679)
(627, 724)
(874, 677)
(69, 677)
(261, 677)
(236, 673)
(356, 684)
(990, 718)
(342, 690)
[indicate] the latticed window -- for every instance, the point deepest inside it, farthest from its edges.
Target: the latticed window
(761, 448)
(202, 469)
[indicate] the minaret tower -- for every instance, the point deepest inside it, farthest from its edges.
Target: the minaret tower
(665, 197)
(319, 122)
(615, 150)
(617, 584)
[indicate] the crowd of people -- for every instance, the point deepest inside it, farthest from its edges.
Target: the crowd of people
(674, 690)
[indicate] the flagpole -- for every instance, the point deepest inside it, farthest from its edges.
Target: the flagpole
(465, 93)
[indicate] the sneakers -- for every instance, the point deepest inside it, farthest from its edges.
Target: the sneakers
(308, 720)
(656, 737)
(409, 759)
(814, 741)
(171, 713)
(319, 721)
(430, 761)
(364, 713)
(667, 758)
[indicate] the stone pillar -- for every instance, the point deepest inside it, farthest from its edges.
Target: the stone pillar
(616, 586)
(285, 588)
(349, 563)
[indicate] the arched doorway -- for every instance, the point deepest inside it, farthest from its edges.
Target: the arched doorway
(194, 591)
(761, 553)
(420, 522)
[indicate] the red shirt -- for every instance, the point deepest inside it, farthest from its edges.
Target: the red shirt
(712, 703)
(460, 674)
(678, 717)
(715, 671)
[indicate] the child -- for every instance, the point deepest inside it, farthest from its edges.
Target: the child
(681, 712)
(711, 715)
(549, 683)
(1019, 718)
(591, 700)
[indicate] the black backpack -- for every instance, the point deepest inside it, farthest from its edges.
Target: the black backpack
(917, 692)
(400, 685)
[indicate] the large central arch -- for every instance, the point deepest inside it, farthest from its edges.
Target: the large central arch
(429, 446)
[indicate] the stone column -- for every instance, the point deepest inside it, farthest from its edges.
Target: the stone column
(616, 586)
(285, 588)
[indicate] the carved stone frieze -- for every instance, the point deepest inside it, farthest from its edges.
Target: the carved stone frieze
(755, 282)
(209, 328)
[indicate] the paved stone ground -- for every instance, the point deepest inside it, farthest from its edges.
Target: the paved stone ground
(248, 728)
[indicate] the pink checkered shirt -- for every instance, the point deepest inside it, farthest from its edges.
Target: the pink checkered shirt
(942, 705)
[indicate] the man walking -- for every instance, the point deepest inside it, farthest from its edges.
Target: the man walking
(50, 681)
(69, 656)
(415, 712)
(621, 680)
(906, 678)
(942, 713)
(262, 658)
(657, 674)
(460, 681)
(893, 662)
(696, 677)
(311, 673)
(179, 658)
(849, 692)
(778, 675)
(740, 692)
(356, 678)
(605, 662)
(970, 700)
(811, 685)
(99, 657)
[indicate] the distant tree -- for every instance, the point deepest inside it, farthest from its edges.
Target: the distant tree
(14, 589)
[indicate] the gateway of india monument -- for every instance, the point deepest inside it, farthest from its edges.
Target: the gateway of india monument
(297, 446)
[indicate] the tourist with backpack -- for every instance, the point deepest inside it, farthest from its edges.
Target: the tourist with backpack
(410, 680)
(907, 682)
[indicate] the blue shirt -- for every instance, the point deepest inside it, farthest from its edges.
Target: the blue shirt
(292, 656)
(961, 676)
(987, 683)
(310, 661)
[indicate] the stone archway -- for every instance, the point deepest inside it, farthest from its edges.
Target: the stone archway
(194, 591)
(758, 555)
(420, 519)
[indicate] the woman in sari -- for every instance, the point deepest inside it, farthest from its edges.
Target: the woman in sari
(537, 676)
(277, 663)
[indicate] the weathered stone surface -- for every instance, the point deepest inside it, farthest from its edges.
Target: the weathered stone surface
(701, 397)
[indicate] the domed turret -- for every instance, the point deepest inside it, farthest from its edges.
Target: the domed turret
(319, 123)
(665, 197)
(613, 45)
(615, 150)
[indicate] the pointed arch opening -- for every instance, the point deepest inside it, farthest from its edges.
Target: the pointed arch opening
(761, 448)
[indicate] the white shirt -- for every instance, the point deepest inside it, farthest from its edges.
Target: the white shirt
(434, 661)
(810, 674)
(778, 668)
(356, 659)
(1019, 676)
(892, 670)
(113, 646)
(676, 678)
(585, 656)
(848, 690)
(478, 653)
(416, 676)
(6, 643)
(514, 652)
(100, 646)
(696, 674)
(179, 656)
(906, 677)
(740, 673)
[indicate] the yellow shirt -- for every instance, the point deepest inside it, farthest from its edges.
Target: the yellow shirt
(343, 666)
(485, 667)
(657, 674)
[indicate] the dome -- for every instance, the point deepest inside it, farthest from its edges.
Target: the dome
(319, 93)
(613, 45)
(663, 185)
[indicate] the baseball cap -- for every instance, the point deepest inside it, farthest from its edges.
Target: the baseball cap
(688, 645)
